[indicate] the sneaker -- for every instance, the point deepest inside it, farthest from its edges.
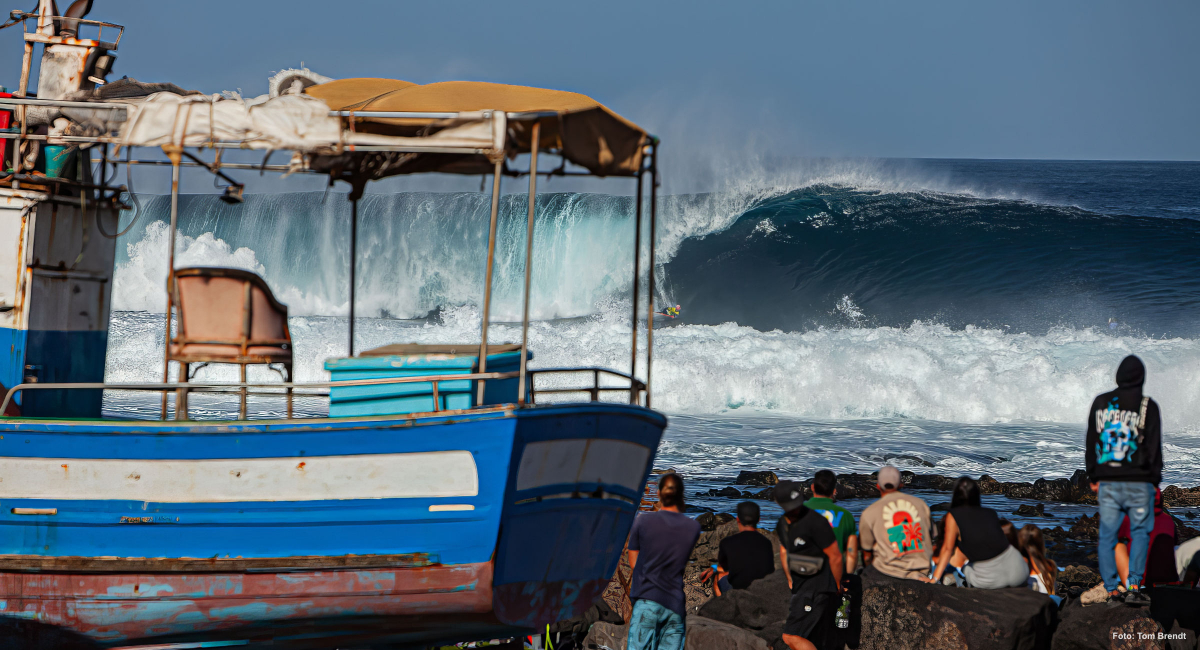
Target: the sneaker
(1135, 598)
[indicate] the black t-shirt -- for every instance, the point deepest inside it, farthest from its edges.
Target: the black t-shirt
(980, 535)
(747, 556)
(811, 534)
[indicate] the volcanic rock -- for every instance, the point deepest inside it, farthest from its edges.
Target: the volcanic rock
(1177, 497)
(1086, 527)
(1183, 532)
(901, 614)
(1026, 510)
(1079, 577)
(702, 634)
(1114, 626)
(756, 478)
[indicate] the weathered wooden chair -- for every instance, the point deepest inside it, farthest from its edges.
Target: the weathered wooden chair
(228, 316)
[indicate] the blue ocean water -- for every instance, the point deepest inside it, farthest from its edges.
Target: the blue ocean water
(950, 316)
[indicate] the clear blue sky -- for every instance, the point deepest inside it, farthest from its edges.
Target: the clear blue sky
(1060, 79)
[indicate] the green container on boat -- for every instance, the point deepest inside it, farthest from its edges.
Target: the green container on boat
(57, 157)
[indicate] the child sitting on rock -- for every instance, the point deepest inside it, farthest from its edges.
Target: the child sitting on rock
(1042, 570)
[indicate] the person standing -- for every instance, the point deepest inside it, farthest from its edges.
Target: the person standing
(1123, 453)
(659, 547)
(744, 557)
(824, 489)
(897, 539)
(813, 564)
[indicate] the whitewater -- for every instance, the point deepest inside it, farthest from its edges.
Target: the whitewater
(838, 322)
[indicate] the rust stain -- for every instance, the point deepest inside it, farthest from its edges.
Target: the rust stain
(300, 466)
(110, 564)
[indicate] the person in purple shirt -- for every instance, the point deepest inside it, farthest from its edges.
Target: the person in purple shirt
(659, 547)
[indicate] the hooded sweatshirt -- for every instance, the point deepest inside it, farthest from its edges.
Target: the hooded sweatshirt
(1124, 435)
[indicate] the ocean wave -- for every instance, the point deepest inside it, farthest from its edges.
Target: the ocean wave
(795, 255)
(924, 371)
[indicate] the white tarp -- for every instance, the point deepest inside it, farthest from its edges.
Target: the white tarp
(289, 122)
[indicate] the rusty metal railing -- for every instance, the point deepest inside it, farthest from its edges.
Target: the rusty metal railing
(636, 387)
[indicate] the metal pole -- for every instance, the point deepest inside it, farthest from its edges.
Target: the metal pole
(533, 156)
(637, 272)
(353, 255)
(650, 288)
(173, 152)
(487, 284)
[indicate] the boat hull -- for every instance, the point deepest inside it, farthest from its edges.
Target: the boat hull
(526, 529)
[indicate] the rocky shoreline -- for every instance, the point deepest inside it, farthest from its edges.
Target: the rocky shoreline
(902, 614)
(862, 486)
(899, 614)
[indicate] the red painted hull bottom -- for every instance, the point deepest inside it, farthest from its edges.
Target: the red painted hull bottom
(365, 607)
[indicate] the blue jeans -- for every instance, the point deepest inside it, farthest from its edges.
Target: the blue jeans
(1117, 500)
(654, 627)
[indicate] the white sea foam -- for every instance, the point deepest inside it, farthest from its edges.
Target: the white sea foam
(924, 371)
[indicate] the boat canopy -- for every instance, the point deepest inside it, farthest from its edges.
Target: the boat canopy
(581, 129)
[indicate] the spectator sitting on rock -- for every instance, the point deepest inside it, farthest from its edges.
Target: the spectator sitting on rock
(992, 563)
(813, 565)
(659, 547)
(1187, 561)
(1123, 451)
(824, 489)
(1160, 560)
(1043, 572)
(743, 557)
(895, 530)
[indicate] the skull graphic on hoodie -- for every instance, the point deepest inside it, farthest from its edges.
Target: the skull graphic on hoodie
(1118, 433)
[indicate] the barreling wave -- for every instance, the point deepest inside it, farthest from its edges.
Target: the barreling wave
(823, 255)
(838, 256)
(417, 252)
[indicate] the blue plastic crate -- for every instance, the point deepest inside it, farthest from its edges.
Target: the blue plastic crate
(415, 361)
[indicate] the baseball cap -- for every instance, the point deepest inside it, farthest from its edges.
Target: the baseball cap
(889, 477)
(789, 495)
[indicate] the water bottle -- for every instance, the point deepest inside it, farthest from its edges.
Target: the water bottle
(842, 618)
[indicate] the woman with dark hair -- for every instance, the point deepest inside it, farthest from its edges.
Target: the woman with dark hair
(1042, 570)
(992, 563)
(659, 547)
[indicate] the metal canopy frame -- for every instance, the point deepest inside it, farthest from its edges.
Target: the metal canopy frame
(176, 153)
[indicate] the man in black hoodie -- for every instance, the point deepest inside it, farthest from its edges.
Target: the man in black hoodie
(1124, 463)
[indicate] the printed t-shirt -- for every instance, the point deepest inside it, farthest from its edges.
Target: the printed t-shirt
(838, 517)
(664, 541)
(747, 556)
(809, 535)
(896, 529)
(1160, 560)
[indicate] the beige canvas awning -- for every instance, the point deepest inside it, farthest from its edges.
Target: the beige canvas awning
(583, 130)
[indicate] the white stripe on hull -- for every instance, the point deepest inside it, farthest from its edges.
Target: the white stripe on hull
(368, 476)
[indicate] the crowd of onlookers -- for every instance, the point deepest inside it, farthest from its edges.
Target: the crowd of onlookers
(820, 543)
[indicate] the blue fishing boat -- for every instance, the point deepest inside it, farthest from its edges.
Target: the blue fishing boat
(445, 493)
